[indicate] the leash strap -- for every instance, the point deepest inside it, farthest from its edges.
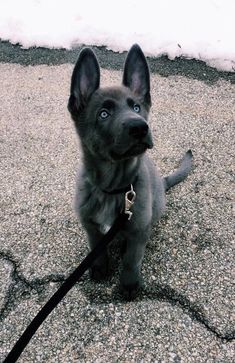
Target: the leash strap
(64, 289)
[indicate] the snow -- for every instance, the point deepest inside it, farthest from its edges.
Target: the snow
(201, 29)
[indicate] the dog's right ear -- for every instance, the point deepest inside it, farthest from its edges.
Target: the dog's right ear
(85, 80)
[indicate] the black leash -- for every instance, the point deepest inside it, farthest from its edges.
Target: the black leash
(71, 280)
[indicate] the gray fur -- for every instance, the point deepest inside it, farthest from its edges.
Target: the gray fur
(112, 125)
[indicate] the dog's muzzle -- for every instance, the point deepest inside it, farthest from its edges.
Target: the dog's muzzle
(137, 128)
(135, 139)
(140, 134)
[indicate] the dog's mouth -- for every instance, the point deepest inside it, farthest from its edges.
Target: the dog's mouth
(137, 149)
(134, 150)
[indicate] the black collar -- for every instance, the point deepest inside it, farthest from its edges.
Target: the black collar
(121, 190)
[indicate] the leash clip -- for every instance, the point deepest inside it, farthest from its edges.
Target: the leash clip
(129, 201)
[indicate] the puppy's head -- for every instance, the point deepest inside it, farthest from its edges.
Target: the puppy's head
(112, 121)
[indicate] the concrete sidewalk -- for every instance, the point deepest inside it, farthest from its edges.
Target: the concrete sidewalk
(187, 311)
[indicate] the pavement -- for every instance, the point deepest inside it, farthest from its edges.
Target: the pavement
(186, 312)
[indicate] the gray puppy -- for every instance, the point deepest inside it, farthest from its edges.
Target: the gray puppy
(112, 125)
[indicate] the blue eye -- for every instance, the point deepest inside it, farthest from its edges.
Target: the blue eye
(136, 108)
(103, 114)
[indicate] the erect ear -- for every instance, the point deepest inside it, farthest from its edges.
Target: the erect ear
(136, 73)
(85, 80)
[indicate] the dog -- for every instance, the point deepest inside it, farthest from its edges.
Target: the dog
(112, 124)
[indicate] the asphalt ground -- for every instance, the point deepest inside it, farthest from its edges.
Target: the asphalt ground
(186, 312)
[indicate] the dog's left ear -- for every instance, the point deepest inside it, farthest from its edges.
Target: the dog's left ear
(85, 80)
(136, 73)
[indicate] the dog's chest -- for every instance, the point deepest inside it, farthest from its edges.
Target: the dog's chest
(107, 209)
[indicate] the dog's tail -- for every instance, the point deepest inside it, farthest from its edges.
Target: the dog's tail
(181, 173)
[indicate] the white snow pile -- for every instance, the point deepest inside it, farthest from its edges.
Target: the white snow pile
(201, 29)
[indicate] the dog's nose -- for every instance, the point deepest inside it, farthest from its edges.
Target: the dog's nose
(137, 128)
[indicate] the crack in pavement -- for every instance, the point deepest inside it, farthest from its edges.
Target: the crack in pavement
(194, 310)
(21, 288)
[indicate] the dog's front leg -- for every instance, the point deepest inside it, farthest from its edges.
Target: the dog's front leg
(100, 267)
(131, 279)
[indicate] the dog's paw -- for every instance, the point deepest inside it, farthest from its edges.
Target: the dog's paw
(130, 292)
